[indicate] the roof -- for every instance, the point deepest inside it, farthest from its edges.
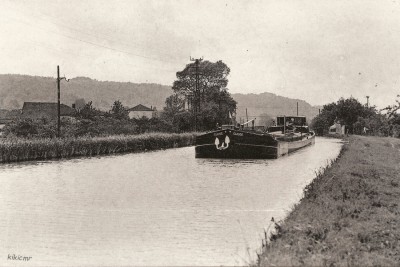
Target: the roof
(281, 116)
(47, 108)
(140, 107)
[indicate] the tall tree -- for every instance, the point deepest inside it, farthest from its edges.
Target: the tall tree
(212, 102)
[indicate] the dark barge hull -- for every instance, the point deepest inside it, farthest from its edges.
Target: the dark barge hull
(236, 144)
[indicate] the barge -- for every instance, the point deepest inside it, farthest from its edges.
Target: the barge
(249, 142)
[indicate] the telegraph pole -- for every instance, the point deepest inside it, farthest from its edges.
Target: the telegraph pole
(297, 108)
(197, 89)
(58, 101)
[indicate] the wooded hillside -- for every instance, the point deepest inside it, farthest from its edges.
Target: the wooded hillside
(17, 89)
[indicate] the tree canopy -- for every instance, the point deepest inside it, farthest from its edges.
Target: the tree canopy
(212, 77)
(209, 105)
(356, 116)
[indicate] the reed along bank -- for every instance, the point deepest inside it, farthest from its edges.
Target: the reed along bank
(349, 214)
(12, 150)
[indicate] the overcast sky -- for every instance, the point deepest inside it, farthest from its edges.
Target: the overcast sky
(313, 50)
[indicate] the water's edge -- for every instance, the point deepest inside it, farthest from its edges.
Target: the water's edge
(16, 150)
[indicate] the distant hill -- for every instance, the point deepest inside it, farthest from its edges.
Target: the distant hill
(16, 89)
(267, 106)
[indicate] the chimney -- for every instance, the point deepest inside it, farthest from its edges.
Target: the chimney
(73, 106)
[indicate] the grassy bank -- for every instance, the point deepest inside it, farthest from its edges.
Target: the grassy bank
(350, 213)
(12, 150)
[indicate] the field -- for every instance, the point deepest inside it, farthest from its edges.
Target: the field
(18, 149)
(349, 214)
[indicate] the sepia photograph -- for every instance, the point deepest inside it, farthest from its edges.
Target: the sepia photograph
(199, 133)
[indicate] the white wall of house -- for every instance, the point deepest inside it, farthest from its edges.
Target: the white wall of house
(140, 114)
(1, 129)
(337, 128)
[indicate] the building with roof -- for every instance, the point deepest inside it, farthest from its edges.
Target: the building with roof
(39, 110)
(140, 111)
(337, 128)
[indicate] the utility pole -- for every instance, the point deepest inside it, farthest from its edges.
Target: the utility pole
(197, 89)
(284, 125)
(297, 108)
(58, 101)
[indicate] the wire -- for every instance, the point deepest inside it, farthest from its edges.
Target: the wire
(55, 49)
(109, 39)
(87, 42)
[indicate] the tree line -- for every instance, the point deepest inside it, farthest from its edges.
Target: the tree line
(359, 118)
(200, 101)
(186, 110)
(88, 121)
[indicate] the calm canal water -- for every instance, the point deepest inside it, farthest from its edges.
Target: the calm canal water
(156, 208)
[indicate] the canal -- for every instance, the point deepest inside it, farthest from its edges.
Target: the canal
(155, 208)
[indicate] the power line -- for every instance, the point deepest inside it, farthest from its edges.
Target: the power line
(89, 42)
(58, 50)
(109, 39)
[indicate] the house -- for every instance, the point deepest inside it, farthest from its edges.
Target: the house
(140, 111)
(39, 110)
(337, 128)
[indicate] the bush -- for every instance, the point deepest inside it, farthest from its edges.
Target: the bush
(31, 128)
(76, 127)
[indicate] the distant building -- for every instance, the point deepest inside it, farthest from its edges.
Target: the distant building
(337, 128)
(1, 128)
(39, 110)
(140, 111)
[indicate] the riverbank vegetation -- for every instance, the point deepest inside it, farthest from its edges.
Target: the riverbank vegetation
(349, 214)
(21, 149)
(87, 122)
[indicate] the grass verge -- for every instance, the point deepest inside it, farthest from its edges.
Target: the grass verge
(349, 214)
(12, 150)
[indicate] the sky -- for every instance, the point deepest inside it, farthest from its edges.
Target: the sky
(315, 50)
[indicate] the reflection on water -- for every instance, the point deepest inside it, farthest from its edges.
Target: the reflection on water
(156, 208)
